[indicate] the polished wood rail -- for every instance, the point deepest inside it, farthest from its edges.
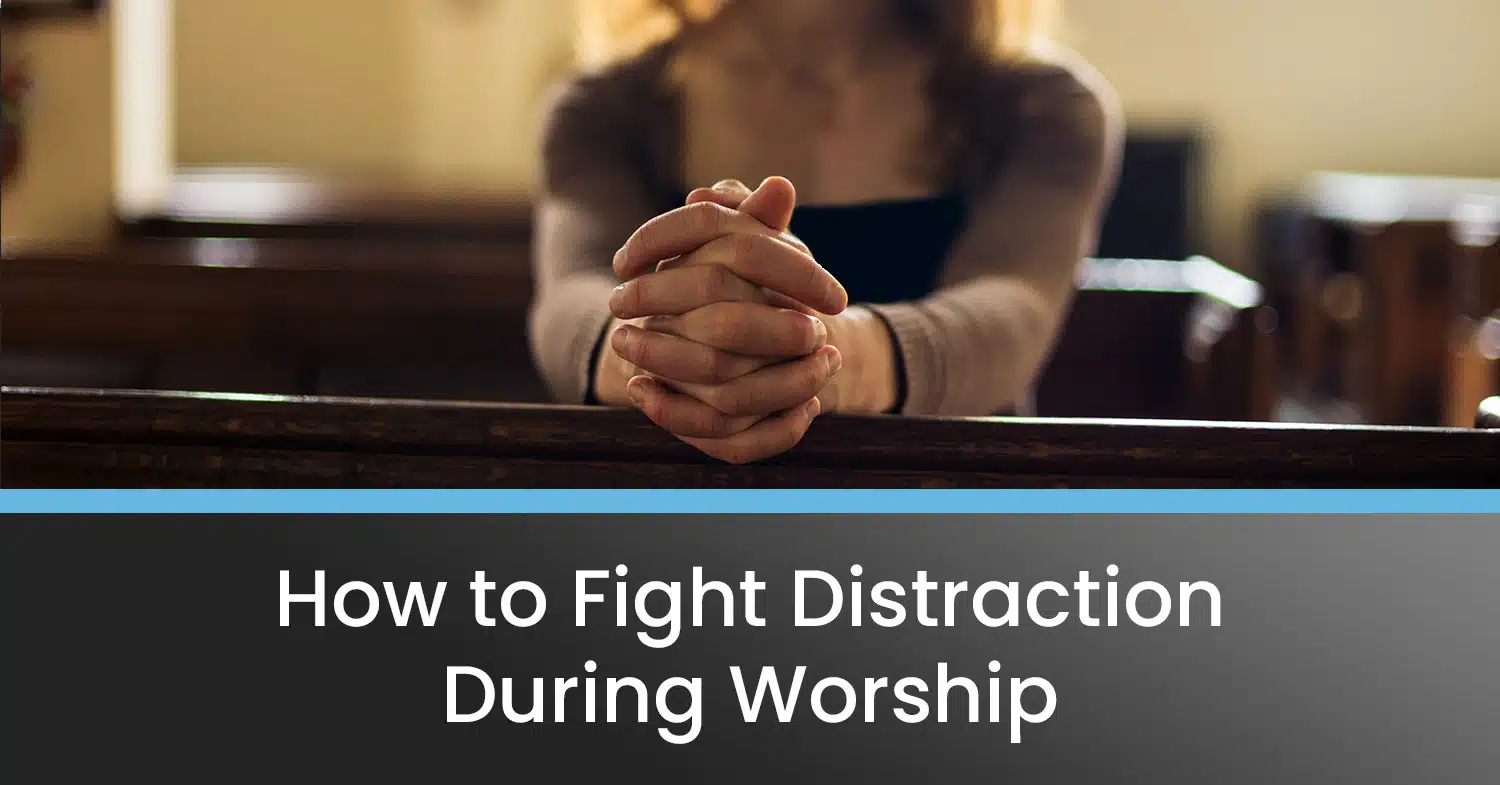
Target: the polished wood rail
(103, 438)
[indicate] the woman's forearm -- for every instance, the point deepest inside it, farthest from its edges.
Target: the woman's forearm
(566, 320)
(974, 349)
(611, 371)
(868, 383)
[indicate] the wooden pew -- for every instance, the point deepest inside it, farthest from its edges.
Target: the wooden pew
(100, 438)
(1151, 339)
(1168, 347)
(1474, 368)
(281, 282)
(1382, 273)
(443, 319)
(447, 319)
(1474, 361)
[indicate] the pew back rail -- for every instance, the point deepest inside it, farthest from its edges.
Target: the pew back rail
(101, 438)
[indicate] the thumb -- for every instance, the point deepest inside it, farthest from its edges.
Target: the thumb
(772, 203)
(725, 193)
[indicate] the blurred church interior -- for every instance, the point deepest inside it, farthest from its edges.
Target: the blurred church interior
(329, 197)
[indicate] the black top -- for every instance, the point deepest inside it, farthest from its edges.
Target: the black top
(883, 252)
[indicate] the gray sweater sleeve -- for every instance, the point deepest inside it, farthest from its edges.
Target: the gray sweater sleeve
(973, 347)
(593, 196)
(976, 345)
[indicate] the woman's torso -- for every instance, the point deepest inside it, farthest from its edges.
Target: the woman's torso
(872, 208)
(1039, 154)
(882, 252)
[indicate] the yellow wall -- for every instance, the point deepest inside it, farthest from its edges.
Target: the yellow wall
(439, 90)
(320, 83)
(447, 90)
(1287, 86)
(1281, 86)
(482, 68)
(442, 90)
(63, 191)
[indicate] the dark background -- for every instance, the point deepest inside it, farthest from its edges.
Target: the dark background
(1352, 650)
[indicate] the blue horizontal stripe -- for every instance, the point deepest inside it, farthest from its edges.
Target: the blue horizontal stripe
(855, 502)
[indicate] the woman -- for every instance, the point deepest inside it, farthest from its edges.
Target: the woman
(930, 161)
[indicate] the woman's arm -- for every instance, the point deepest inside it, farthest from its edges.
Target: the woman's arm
(592, 197)
(871, 380)
(975, 346)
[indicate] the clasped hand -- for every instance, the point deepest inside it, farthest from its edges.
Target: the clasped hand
(720, 331)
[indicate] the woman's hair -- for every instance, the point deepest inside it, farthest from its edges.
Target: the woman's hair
(963, 35)
(964, 30)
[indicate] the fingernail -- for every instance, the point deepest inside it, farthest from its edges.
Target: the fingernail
(840, 295)
(637, 392)
(835, 360)
(620, 338)
(820, 333)
(729, 186)
(619, 257)
(814, 407)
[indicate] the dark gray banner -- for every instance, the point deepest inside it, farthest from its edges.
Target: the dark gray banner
(942, 649)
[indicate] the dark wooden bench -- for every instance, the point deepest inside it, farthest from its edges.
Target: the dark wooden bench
(1144, 346)
(442, 319)
(100, 438)
(446, 319)
(1383, 282)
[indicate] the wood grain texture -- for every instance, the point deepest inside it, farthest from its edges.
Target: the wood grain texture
(79, 438)
(440, 318)
(1385, 343)
(285, 316)
(215, 281)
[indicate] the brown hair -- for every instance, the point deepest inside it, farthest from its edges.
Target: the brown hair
(964, 35)
(613, 29)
